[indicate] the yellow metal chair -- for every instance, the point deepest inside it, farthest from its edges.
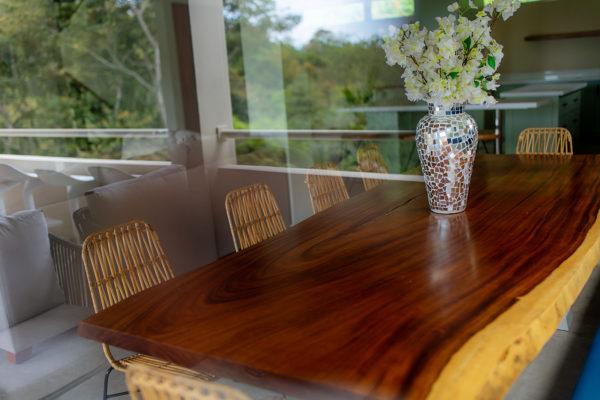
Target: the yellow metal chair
(145, 383)
(545, 141)
(326, 190)
(253, 215)
(370, 159)
(120, 262)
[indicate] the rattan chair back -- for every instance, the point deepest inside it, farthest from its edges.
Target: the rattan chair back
(146, 383)
(122, 261)
(370, 159)
(545, 141)
(326, 190)
(253, 215)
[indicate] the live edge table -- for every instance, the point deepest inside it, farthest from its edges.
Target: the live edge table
(377, 298)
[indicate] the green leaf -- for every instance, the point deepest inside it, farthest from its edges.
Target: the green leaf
(477, 83)
(491, 60)
(467, 43)
(453, 74)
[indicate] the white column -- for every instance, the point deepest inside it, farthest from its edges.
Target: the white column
(212, 80)
(214, 102)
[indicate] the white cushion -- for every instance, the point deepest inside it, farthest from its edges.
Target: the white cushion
(28, 283)
(163, 199)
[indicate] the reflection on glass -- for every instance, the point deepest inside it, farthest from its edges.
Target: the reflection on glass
(381, 9)
(306, 65)
(87, 91)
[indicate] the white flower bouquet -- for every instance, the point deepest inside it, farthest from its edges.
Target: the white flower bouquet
(455, 63)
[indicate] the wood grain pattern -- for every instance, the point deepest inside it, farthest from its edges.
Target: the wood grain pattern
(377, 298)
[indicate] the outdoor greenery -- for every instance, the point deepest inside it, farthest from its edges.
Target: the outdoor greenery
(78, 64)
(320, 77)
(96, 64)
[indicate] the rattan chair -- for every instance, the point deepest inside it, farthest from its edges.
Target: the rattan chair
(120, 262)
(253, 215)
(370, 159)
(545, 141)
(326, 190)
(145, 383)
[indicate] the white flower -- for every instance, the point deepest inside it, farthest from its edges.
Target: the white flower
(506, 7)
(453, 7)
(455, 63)
(492, 85)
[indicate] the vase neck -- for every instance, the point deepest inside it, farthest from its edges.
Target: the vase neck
(439, 110)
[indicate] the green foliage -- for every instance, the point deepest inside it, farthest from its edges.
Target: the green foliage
(90, 64)
(73, 64)
(260, 152)
(320, 77)
(467, 43)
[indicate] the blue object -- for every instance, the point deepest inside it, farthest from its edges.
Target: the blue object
(588, 387)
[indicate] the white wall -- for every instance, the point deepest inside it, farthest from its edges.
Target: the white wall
(545, 17)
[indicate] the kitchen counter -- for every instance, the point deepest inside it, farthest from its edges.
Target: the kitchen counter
(415, 107)
(543, 90)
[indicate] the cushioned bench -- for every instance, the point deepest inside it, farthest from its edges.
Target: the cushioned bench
(588, 387)
(18, 340)
(41, 296)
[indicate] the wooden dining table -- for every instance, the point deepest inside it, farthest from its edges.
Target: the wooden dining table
(378, 298)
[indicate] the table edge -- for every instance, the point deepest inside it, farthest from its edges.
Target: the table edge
(486, 366)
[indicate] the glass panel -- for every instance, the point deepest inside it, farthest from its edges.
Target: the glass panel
(98, 127)
(105, 118)
(381, 9)
(294, 66)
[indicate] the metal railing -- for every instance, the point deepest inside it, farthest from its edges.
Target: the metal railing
(223, 133)
(314, 134)
(85, 133)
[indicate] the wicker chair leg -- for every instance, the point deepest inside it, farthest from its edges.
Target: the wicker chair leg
(105, 394)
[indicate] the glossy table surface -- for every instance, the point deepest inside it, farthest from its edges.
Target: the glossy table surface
(378, 298)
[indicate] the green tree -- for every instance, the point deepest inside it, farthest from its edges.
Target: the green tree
(78, 64)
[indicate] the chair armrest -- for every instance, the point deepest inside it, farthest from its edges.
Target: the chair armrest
(69, 269)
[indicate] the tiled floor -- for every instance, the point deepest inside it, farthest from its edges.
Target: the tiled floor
(552, 376)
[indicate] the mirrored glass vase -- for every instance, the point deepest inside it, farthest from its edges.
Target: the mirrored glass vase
(446, 143)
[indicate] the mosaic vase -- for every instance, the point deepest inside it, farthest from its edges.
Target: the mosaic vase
(447, 143)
